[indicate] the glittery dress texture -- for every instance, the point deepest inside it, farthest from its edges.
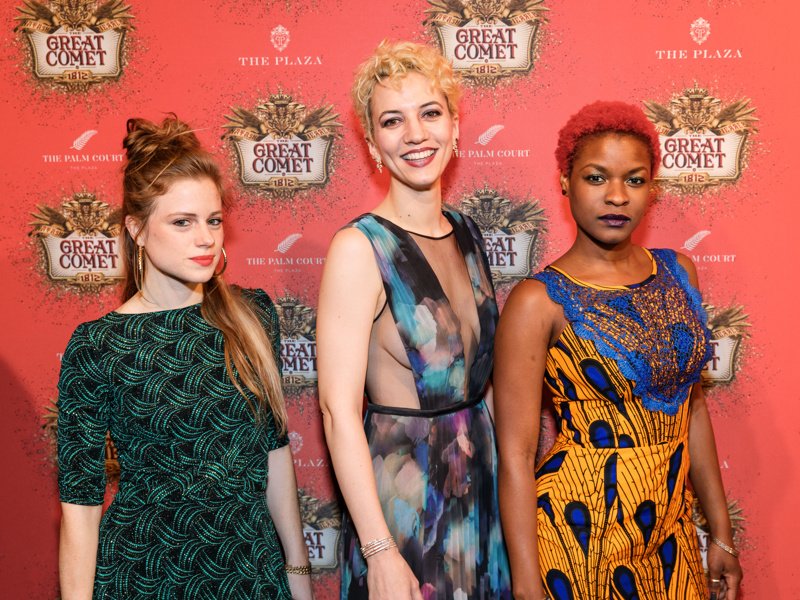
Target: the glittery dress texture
(614, 513)
(190, 519)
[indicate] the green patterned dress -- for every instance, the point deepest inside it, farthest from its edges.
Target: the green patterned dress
(190, 519)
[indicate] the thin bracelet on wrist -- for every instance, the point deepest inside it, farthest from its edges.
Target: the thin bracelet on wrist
(729, 549)
(375, 546)
(295, 570)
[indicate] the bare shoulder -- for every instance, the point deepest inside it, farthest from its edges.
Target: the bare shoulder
(349, 243)
(688, 265)
(350, 267)
(529, 295)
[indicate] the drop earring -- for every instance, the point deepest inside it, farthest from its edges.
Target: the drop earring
(379, 165)
(455, 147)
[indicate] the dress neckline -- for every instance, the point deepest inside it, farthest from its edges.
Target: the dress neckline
(157, 312)
(422, 235)
(596, 286)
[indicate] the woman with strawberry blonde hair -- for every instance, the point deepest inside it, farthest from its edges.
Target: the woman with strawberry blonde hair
(184, 376)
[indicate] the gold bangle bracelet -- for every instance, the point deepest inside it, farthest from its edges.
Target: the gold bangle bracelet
(729, 549)
(293, 570)
(376, 546)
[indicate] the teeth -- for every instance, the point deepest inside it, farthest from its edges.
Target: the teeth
(418, 155)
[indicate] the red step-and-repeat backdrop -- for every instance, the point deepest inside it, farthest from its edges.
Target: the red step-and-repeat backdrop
(266, 84)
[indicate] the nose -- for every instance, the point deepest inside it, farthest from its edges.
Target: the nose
(415, 131)
(617, 194)
(203, 235)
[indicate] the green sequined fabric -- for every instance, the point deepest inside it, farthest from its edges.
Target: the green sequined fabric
(190, 519)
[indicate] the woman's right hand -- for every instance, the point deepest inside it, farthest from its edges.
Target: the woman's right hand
(390, 578)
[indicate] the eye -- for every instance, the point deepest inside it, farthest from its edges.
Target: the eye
(215, 221)
(432, 113)
(181, 222)
(390, 122)
(595, 178)
(637, 181)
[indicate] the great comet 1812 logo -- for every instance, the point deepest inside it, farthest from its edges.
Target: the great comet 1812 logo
(487, 39)
(76, 42)
(80, 241)
(728, 328)
(702, 139)
(298, 343)
(511, 232)
(322, 522)
(283, 146)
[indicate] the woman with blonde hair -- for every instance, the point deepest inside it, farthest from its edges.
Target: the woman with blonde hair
(407, 311)
(184, 376)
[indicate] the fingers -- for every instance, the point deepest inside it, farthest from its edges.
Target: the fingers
(715, 586)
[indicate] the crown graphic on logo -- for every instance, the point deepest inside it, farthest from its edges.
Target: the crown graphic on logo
(297, 320)
(484, 10)
(83, 214)
(695, 110)
(74, 15)
(492, 211)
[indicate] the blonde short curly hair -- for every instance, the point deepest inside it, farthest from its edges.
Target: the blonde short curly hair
(392, 61)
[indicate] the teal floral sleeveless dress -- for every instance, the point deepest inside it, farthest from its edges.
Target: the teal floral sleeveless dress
(436, 466)
(190, 518)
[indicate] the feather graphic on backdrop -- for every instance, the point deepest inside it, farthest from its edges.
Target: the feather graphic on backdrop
(693, 241)
(83, 139)
(487, 135)
(284, 246)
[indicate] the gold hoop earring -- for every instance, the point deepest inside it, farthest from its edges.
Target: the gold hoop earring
(379, 164)
(455, 147)
(138, 270)
(224, 262)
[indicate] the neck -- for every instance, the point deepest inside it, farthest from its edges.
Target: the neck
(164, 293)
(587, 250)
(419, 211)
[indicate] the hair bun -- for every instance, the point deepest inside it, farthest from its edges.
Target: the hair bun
(147, 141)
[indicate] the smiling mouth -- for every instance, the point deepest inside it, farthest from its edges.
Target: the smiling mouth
(419, 154)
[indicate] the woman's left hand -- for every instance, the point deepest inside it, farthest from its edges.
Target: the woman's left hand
(724, 573)
(300, 586)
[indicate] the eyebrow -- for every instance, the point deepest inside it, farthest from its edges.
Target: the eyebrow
(605, 170)
(190, 214)
(421, 107)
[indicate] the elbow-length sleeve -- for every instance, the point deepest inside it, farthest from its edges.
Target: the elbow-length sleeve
(83, 415)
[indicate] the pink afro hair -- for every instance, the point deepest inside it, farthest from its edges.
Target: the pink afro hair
(605, 117)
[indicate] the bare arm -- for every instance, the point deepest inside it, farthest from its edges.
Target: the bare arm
(707, 483)
(521, 343)
(77, 551)
(349, 298)
(285, 511)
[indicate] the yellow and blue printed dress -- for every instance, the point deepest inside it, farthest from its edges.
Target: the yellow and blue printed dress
(614, 515)
(436, 466)
(190, 518)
